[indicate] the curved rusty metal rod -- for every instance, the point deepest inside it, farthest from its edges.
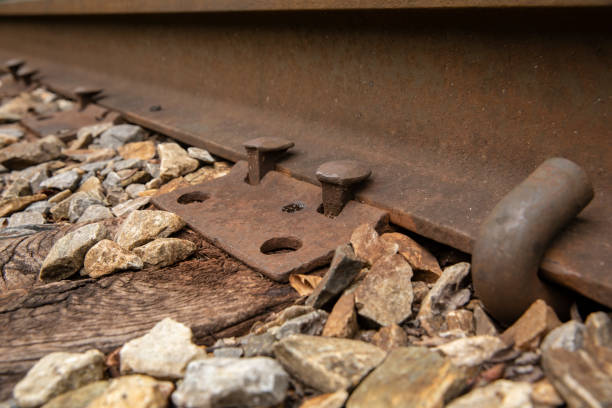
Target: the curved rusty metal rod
(513, 238)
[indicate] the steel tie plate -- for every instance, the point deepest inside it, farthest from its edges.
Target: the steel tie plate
(275, 227)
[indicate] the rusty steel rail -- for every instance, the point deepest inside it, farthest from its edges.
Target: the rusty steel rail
(451, 106)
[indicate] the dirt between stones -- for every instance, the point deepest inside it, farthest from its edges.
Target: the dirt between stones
(213, 293)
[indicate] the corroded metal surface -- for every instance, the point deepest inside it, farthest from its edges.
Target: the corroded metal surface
(513, 238)
(65, 124)
(451, 108)
(273, 227)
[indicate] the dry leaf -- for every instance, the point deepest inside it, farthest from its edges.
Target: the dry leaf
(304, 284)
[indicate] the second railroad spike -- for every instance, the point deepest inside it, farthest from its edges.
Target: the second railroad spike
(337, 180)
(263, 153)
(13, 66)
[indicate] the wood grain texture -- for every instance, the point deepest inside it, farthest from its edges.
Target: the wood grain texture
(211, 292)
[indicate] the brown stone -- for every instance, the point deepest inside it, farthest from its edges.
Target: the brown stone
(175, 161)
(79, 398)
(11, 205)
(543, 393)
(368, 245)
(411, 377)
(484, 324)
(390, 337)
(461, 319)
(532, 326)
(107, 257)
(325, 363)
(137, 150)
(61, 196)
(165, 251)
(172, 185)
(333, 400)
(472, 351)
(93, 187)
(134, 391)
(385, 295)
(579, 379)
(342, 321)
(207, 173)
(423, 263)
(143, 226)
(20, 155)
(140, 176)
(444, 296)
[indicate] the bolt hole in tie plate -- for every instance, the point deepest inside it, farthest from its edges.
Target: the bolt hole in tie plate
(273, 227)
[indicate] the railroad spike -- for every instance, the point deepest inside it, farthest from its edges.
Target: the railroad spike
(85, 95)
(338, 179)
(263, 153)
(26, 74)
(514, 236)
(13, 66)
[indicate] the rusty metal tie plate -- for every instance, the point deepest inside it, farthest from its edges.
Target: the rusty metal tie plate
(65, 124)
(274, 227)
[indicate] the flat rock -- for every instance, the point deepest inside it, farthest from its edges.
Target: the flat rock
(64, 181)
(330, 400)
(423, 263)
(107, 257)
(134, 189)
(568, 336)
(134, 391)
(342, 321)
(390, 337)
(501, 394)
(11, 205)
(130, 205)
(201, 155)
(67, 254)
(411, 377)
(26, 218)
(343, 269)
(20, 155)
(368, 245)
(460, 320)
(472, 351)
(82, 141)
(61, 196)
(11, 131)
(165, 251)
(79, 398)
(121, 134)
(532, 326)
(129, 164)
(580, 379)
(231, 382)
(207, 173)
(95, 213)
(325, 363)
(143, 226)
(57, 373)
(41, 207)
(137, 150)
(90, 155)
(61, 210)
(94, 131)
(483, 323)
(442, 297)
(19, 187)
(95, 166)
(385, 295)
(163, 352)
(280, 318)
(175, 161)
(79, 203)
(310, 323)
(116, 195)
(599, 329)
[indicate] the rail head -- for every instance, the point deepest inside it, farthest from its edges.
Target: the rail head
(99, 7)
